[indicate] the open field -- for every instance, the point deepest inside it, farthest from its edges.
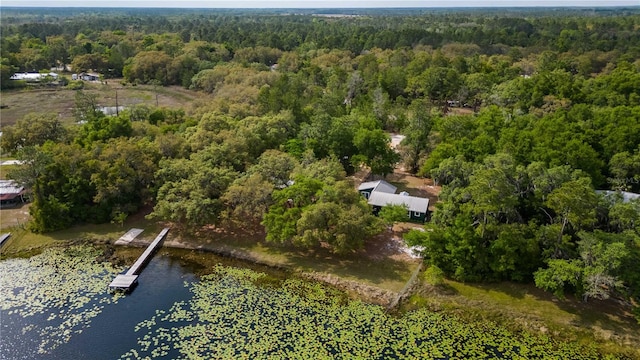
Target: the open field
(61, 101)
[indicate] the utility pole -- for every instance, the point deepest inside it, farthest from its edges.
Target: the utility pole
(155, 89)
(117, 107)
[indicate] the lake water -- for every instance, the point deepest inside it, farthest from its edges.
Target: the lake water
(56, 306)
(111, 332)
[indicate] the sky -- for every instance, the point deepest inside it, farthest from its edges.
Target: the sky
(313, 3)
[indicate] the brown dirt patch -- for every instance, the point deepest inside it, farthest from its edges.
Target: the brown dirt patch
(416, 186)
(389, 244)
(15, 216)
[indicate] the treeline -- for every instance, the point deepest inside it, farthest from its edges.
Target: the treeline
(520, 135)
(108, 43)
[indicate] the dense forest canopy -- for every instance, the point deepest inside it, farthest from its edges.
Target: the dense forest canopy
(519, 114)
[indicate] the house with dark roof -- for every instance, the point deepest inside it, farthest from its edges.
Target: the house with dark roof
(380, 194)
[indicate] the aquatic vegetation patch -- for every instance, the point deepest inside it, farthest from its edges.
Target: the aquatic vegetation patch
(65, 285)
(229, 316)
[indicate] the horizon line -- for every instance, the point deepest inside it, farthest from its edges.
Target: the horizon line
(322, 7)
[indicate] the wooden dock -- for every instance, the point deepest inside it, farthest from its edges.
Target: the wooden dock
(127, 280)
(4, 238)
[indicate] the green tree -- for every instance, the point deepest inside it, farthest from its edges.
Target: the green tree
(594, 274)
(33, 129)
(393, 213)
(374, 151)
(275, 166)
(289, 203)
(574, 204)
(559, 276)
(625, 170)
(415, 145)
(248, 197)
(122, 173)
(190, 194)
(89, 62)
(310, 213)
(148, 66)
(438, 83)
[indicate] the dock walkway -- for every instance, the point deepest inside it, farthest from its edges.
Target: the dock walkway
(127, 280)
(127, 238)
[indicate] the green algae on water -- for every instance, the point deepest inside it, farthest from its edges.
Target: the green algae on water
(65, 285)
(231, 317)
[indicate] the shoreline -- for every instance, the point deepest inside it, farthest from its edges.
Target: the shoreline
(361, 290)
(465, 301)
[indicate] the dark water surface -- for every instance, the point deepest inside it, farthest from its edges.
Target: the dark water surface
(111, 333)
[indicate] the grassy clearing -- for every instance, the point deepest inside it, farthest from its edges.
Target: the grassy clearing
(5, 169)
(386, 273)
(26, 243)
(61, 101)
(524, 307)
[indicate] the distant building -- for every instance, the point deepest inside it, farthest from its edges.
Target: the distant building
(86, 76)
(380, 194)
(33, 76)
(626, 196)
(11, 194)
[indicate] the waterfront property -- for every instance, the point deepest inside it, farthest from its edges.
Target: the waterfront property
(127, 280)
(380, 194)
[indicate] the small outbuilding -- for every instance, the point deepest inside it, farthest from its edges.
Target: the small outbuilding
(89, 76)
(11, 193)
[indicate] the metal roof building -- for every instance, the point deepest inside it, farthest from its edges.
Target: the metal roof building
(413, 203)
